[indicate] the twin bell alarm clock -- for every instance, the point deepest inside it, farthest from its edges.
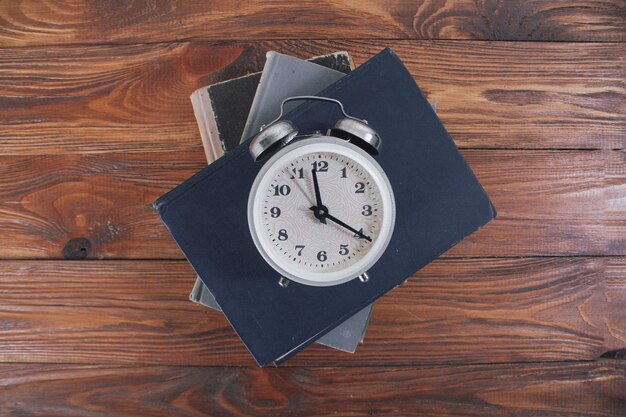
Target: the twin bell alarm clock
(321, 210)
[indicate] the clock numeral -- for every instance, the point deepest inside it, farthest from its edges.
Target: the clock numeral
(321, 256)
(359, 236)
(343, 173)
(281, 189)
(367, 210)
(320, 166)
(275, 212)
(343, 250)
(282, 234)
(359, 188)
(297, 173)
(299, 248)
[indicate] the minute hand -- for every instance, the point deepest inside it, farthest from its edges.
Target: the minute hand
(352, 229)
(318, 197)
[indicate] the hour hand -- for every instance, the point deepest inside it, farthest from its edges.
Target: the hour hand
(352, 229)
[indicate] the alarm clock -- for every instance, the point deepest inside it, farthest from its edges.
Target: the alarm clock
(321, 210)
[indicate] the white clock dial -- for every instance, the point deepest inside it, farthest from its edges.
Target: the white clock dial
(328, 241)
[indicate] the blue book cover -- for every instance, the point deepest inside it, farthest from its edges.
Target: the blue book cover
(439, 202)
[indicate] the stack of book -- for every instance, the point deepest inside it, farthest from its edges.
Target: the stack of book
(438, 199)
(231, 111)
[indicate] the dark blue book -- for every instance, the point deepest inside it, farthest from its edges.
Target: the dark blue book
(439, 202)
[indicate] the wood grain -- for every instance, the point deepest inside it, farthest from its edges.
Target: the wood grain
(615, 312)
(96, 123)
(453, 311)
(46, 201)
(574, 389)
(32, 22)
(549, 203)
(135, 98)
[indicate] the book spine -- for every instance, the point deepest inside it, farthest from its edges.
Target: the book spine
(205, 117)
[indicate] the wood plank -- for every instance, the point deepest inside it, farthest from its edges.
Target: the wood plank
(453, 311)
(135, 98)
(99, 206)
(574, 389)
(550, 206)
(615, 312)
(33, 22)
(103, 201)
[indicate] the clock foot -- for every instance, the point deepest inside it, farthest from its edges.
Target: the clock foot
(283, 282)
(364, 277)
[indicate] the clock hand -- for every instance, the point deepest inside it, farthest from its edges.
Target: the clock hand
(319, 210)
(318, 197)
(298, 183)
(352, 229)
(342, 224)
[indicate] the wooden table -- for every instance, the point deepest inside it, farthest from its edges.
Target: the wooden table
(526, 317)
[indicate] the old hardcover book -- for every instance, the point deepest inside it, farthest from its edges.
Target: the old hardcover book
(439, 202)
(283, 76)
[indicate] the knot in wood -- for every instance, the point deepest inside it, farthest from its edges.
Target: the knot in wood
(77, 248)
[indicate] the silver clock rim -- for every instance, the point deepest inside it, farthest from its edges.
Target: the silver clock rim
(270, 163)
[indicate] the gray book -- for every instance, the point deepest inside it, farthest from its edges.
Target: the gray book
(218, 109)
(285, 76)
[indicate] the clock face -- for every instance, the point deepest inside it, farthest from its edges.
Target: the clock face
(321, 211)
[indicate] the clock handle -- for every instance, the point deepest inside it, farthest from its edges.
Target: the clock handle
(348, 127)
(280, 132)
(318, 98)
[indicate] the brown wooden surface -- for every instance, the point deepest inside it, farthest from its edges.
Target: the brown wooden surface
(526, 317)
(37, 22)
(549, 389)
(135, 98)
(453, 311)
